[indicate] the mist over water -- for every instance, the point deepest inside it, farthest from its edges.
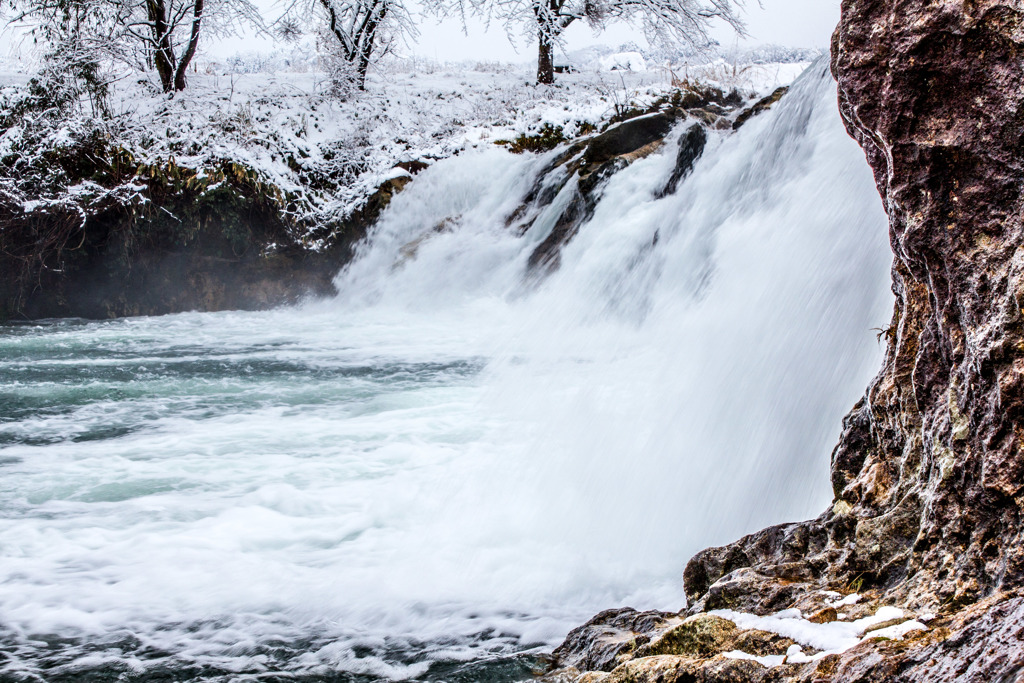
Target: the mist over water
(452, 463)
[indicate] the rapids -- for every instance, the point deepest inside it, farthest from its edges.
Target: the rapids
(437, 474)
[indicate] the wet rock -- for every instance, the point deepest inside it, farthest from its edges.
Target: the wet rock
(762, 572)
(610, 638)
(746, 590)
(824, 616)
(593, 162)
(701, 635)
(410, 249)
(982, 643)
(546, 255)
(762, 643)
(762, 105)
(928, 470)
(573, 675)
(691, 146)
(413, 166)
(885, 624)
(990, 648)
(948, 409)
(659, 669)
(626, 137)
(708, 118)
(928, 474)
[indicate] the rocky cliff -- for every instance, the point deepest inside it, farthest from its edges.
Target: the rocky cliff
(928, 474)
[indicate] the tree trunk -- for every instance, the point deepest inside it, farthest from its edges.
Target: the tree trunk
(361, 68)
(163, 53)
(545, 67)
(367, 38)
(193, 43)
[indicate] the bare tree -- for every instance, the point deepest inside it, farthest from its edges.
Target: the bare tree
(76, 42)
(360, 31)
(355, 25)
(162, 23)
(158, 34)
(663, 21)
(169, 30)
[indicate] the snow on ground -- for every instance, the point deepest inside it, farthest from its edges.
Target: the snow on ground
(330, 152)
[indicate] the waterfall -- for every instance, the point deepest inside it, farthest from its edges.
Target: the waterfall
(460, 457)
(680, 379)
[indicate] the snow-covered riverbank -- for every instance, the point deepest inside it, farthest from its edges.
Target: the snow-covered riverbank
(330, 154)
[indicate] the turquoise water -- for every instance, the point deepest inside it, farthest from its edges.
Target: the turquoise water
(163, 491)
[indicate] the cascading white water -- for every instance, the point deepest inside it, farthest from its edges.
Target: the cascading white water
(451, 461)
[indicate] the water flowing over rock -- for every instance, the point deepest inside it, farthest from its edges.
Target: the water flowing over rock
(590, 164)
(928, 473)
(691, 146)
(761, 105)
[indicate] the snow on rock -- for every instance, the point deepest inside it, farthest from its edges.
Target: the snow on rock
(624, 61)
(395, 172)
(765, 660)
(829, 638)
(851, 599)
(897, 631)
(791, 613)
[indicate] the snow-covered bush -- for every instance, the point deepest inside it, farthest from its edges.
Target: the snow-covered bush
(624, 61)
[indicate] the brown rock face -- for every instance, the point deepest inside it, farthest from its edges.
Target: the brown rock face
(929, 473)
(932, 92)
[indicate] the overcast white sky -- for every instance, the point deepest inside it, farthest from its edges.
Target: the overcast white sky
(793, 23)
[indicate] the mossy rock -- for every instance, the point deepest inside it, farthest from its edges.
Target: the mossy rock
(655, 669)
(762, 643)
(724, 670)
(703, 635)
(547, 138)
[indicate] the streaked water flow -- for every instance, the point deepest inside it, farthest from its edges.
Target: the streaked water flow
(438, 473)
